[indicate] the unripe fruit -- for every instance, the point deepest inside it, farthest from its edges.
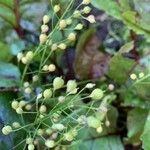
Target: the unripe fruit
(72, 37)
(77, 14)
(24, 60)
(141, 75)
(56, 8)
(29, 55)
(40, 132)
(59, 127)
(68, 137)
(26, 84)
(44, 28)
(86, 10)
(46, 19)
(35, 78)
(45, 68)
(91, 19)
(28, 107)
(86, 2)
(31, 147)
(62, 46)
(15, 104)
(51, 68)
(97, 94)
(133, 76)
(93, 122)
(58, 83)
(99, 129)
(61, 99)
(29, 140)
(111, 87)
(28, 90)
(42, 109)
(19, 56)
(19, 110)
(43, 38)
(71, 85)
(69, 21)
(49, 131)
(6, 130)
(47, 94)
(79, 26)
(16, 125)
(90, 85)
(50, 143)
(62, 24)
(107, 123)
(22, 103)
(54, 47)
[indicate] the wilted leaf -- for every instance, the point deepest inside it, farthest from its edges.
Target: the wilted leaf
(89, 61)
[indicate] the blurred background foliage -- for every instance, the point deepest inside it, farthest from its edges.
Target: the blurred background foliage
(106, 53)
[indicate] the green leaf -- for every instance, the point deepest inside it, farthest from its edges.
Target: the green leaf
(7, 116)
(8, 15)
(110, 6)
(119, 68)
(104, 143)
(135, 124)
(127, 47)
(9, 75)
(146, 134)
(5, 52)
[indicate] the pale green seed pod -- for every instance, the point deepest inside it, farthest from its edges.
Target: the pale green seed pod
(47, 94)
(15, 104)
(97, 94)
(93, 122)
(58, 83)
(71, 85)
(50, 143)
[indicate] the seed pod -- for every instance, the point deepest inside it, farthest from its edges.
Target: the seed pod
(93, 122)
(19, 56)
(24, 60)
(15, 104)
(86, 10)
(26, 84)
(46, 19)
(22, 103)
(29, 140)
(44, 28)
(79, 26)
(19, 110)
(141, 75)
(62, 24)
(16, 125)
(72, 37)
(58, 83)
(91, 19)
(54, 47)
(69, 21)
(56, 8)
(51, 68)
(99, 129)
(97, 94)
(133, 76)
(50, 143)
(28, 107)
(35, 78)
(31, 147)
(62, 46)
(47, 94)
(28, 90)
(6, 130)
(29, 56)
(71, 85)
(59, 127)
(43, 38)
(42, 109)
(68, 137)
(45, 68)
(86, 2)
